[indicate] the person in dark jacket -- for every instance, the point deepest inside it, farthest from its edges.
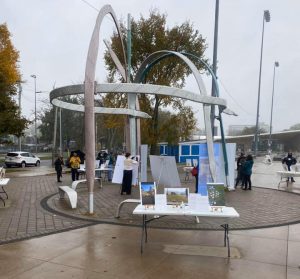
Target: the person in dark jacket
(195, 173)
(289, 160)
(246, 172)
(239, 166)
(59, 162)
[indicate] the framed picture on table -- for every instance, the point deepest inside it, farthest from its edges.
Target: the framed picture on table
(177, 196)
(147, 193)
(216, 194)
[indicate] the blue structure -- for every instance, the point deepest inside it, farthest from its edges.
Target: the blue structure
(169, 150)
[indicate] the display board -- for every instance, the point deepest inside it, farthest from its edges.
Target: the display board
(204, 176)
(147, 193)
(216, 194)
(177, 196)
(164, 171)
(119, 168)
(144, 153)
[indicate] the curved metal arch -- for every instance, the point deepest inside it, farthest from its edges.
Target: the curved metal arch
(154, 58)
(157, 56)
(133, 88)
(220, 114)
(89, 119)
(79, 89)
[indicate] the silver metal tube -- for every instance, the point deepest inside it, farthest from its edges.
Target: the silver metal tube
(276, 64)
(266, 17)
(214, 66)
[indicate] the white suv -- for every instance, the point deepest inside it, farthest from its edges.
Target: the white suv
(22, 159)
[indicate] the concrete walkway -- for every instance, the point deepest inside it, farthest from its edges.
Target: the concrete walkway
(110, 251)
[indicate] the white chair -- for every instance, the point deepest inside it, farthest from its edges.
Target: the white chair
(268, 160)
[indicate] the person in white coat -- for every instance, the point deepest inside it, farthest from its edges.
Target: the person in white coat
(127, 174)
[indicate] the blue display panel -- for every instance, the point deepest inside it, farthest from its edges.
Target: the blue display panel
(204, 175)
(185, 150)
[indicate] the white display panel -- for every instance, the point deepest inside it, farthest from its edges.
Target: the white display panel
(119, 168)
(164, 171)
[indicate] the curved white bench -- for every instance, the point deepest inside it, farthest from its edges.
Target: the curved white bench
(123, 202)
(71, 191)
(76, 182)
(72, 194)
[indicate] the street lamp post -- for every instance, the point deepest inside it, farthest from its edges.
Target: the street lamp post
(276, 64)
(266, 18)
(35, 133)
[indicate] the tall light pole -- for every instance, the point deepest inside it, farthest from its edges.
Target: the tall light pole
(20, 92)
(266, 18)
(276, 64)
(214, 66)
(35, 133)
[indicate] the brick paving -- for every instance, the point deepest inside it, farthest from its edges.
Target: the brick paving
(23, 217)
(258, 208)
(34, 208)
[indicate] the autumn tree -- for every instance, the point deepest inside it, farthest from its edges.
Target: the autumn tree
(150, 35)
(10, 120)
(72, 124)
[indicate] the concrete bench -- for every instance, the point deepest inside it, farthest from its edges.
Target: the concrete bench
(71, 193)
(123, 202)
(76, 182)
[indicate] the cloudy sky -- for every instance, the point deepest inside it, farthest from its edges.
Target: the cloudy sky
(53, 37)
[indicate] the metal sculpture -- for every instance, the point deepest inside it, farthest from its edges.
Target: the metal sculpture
(90, 87)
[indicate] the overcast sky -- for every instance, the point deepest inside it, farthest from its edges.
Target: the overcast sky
(52, 37)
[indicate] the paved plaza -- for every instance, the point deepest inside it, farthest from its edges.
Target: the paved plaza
(77, 245)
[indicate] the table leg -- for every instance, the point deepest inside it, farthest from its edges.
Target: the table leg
(146, 232)
(143, 232)
(226, 237)
(2, 200)
(279, 182)
(4, 192)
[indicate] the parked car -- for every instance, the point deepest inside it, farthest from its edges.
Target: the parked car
(21, 159)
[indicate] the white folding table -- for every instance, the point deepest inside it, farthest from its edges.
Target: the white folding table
(287, 174)
(169, 210)
(3, 182)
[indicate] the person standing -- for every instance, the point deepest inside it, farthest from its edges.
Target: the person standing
(239, 165)
(246, 172)
(127, 174)
(59, 162)
(289, 160)
(195, 173)
(75, 165)
(110, 165)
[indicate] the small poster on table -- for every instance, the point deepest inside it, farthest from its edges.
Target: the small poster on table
(148, 192)
(177, 196)
(216, 194)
